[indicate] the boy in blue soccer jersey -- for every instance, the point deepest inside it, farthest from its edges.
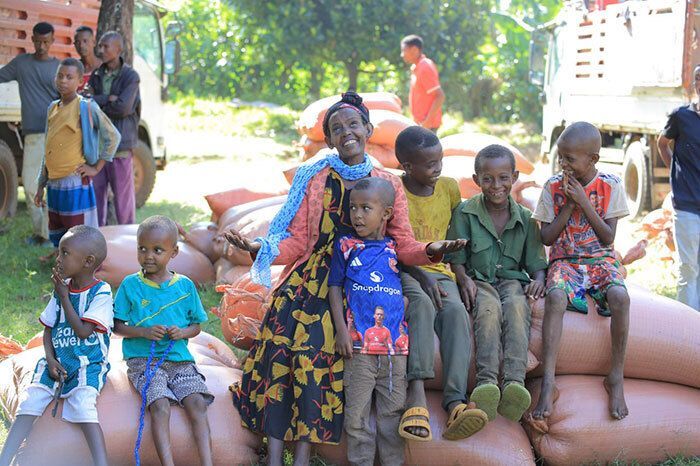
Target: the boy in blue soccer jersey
(77, 323)
(364, 270)
(157, 305)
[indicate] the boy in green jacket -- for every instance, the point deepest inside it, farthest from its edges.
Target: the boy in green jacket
(503, 264)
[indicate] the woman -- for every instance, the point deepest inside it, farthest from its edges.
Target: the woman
(292, 385)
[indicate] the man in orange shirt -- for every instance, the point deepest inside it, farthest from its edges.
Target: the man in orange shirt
(378, 338)
(426, 95)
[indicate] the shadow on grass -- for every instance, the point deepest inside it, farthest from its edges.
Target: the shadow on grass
(25, 282)
(184, 214)
(191, 160)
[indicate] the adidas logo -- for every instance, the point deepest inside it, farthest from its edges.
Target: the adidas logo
(145, 302)
(356, 262)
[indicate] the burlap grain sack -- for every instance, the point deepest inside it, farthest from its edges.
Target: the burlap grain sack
(233, 214)
(469, 144)
(121, 258)
(663, 343)
(57, 443)
(501, 442)
(311, 120)
(387, 126)
(251, 225)
(664, 421)
(221, 202)
(202, 236)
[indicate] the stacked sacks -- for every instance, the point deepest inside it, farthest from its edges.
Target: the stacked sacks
(249, 223)
(60, 443)
(663, 342)
(469, 144)
(242, 307)
(385, 115)
(8, 347)
(221, 202)
(459, 152)
(663, 348)
(121, 258)
(310, 122)
(657, 226)
(664, 421)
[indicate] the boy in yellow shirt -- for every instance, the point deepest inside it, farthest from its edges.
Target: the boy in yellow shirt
(434, 298)
(79, 140)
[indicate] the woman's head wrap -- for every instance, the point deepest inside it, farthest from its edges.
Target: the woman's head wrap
(351, 100)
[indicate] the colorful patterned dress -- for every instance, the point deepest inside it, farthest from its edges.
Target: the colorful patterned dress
(292, 384)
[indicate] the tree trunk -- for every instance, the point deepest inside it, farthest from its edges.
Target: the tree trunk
(118, 15)
(315, 86)
(353, 71)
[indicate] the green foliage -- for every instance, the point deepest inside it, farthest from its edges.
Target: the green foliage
(503, 85)
(291, 52)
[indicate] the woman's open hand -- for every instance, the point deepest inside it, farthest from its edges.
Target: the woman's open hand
(241, 242)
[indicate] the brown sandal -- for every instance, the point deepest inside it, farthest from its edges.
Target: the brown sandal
(424, 423)
(464, 421)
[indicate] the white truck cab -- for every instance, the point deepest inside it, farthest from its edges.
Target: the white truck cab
(154, 61)
(622, 68)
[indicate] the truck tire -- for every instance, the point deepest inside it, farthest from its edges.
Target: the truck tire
(554, 165)
(144, 172)
(636, 179)
(8, 182)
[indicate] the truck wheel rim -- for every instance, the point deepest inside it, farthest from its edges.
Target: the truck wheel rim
(138, 174)
(632, 183)
(4, 195)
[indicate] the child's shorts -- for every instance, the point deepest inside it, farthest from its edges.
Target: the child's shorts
(71, 202)
(173, 380)
(594, 276)
(79, 406)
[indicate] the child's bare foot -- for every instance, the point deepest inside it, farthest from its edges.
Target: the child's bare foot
(50, 257)
(416, 398)
(546, 400)
(616, 396)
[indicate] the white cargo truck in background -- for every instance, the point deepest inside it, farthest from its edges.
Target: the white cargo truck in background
(154, 60)
(622, 67)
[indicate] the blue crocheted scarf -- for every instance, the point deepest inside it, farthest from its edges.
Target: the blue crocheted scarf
(269, 249)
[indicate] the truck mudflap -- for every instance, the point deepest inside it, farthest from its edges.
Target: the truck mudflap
(144, 172)
(8, 182)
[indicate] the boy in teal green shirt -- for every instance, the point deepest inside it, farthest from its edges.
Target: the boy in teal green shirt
(502, 265)
(157, 305)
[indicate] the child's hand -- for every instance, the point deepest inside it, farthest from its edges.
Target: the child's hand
(241, 242)
(445, 246)
(176, 333)
(59, 285)
(574, 191)
(39, 197)
(535, 289)
(155, 333)
(467, 290)
(343, 343)
(431, 287)
(55, 369)
(86, 170)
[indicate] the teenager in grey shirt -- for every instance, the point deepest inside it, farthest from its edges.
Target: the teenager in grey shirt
(35, 73)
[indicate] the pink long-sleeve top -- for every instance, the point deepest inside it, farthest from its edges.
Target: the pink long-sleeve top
(304, 228)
